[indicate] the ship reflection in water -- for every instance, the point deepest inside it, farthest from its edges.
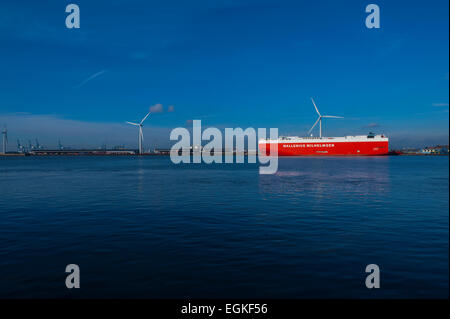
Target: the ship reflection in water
(328, 178)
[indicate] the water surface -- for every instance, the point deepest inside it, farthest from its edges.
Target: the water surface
(144, 227)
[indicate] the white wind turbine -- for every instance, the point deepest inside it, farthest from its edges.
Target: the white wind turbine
(5, 139)
(141, 134)
(320, 119)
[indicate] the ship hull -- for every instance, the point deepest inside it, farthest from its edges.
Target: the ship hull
(326, 148)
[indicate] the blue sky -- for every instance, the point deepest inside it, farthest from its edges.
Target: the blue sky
(229, 63)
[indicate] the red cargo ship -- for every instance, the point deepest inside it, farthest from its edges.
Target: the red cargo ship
(370, 144)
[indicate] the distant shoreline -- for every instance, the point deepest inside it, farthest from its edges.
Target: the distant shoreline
(168, 154)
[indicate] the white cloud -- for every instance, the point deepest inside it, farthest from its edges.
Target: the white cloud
(157, 108)
(372, 125)
(440, 104)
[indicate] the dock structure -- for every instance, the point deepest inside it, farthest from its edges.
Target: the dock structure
(192, 151)
(12, 154)
(81, 152)
(161, 151)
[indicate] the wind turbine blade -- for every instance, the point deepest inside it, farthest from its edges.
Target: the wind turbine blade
(145, 118)
(315, 106)
(313, 125)
(132, 123)
(334, 117)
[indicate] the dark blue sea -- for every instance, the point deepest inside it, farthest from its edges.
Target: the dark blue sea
(144, 227)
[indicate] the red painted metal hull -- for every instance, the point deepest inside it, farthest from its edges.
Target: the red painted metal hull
(349, 148)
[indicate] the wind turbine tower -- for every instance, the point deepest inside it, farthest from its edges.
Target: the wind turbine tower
(5, 139)
(141, 134)
(320, 119)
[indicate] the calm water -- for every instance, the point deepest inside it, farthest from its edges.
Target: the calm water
(144, 227)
